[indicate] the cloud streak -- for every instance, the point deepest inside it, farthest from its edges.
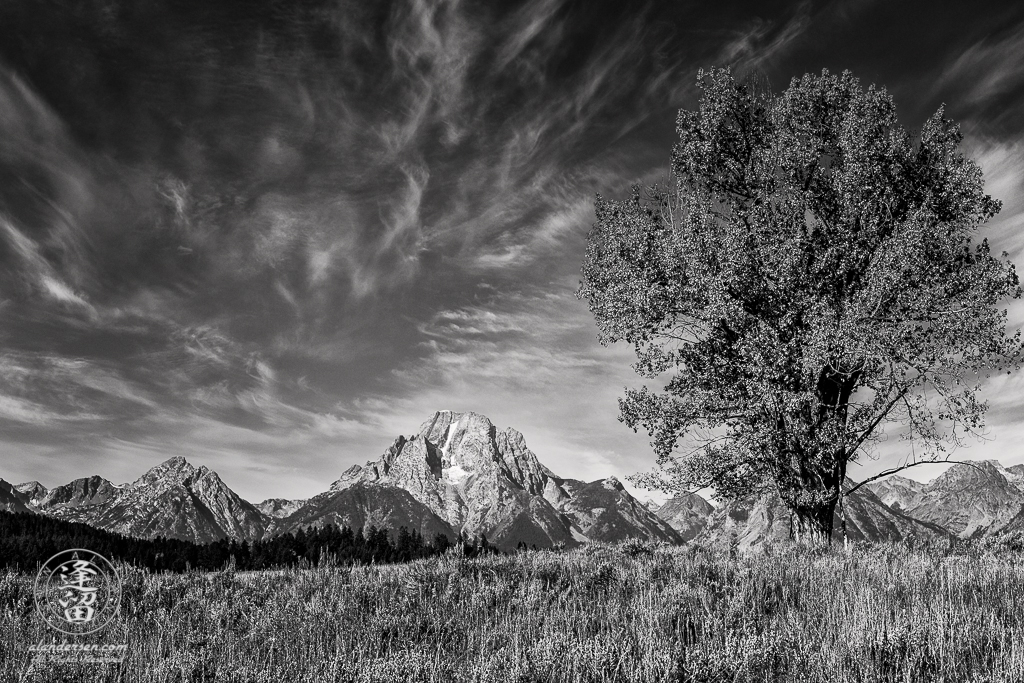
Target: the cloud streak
(291, 233)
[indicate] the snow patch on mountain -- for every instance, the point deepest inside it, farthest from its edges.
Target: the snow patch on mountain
(456, 474)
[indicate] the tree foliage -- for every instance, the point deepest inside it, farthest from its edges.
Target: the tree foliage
(811, 276)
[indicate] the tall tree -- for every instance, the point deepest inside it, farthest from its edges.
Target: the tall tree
(810, 277)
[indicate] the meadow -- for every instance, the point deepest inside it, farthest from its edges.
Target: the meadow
(632, 612)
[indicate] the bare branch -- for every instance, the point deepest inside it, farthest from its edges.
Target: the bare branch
(895, 470)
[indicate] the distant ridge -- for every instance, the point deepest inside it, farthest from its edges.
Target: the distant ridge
(687, 513)
(12, 500)
(459, 475)
(172, 500)
(968, 500)
(754, 521)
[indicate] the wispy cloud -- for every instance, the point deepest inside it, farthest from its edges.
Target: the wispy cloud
(19, 410)
(764, 40)
(983, 70)
(291, 233)
(50, 391)
(1002, 164)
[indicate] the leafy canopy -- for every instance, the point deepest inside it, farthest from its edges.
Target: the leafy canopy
(810, 276)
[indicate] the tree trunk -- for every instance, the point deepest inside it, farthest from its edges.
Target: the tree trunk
(811, 480)
(813, 499)
(814, 522)
(817, 489)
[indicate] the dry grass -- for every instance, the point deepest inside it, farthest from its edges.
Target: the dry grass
(599, 613)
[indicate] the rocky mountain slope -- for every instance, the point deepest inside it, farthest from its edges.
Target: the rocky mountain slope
(66, 501)
(482, 481)
(969, 500)
(11, 499)
(1015, 474)
(33, 492)
(279, 507)
(605, 511)
(754, 521)
(359, 506)
(173, 499)
(687, 513)
(898, 492)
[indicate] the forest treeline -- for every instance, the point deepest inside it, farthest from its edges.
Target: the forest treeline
(27, 540)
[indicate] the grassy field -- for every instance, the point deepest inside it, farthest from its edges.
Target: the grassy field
(599, 613)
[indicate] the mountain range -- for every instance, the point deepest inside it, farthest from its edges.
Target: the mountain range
(460, 476)
(864, 517)
(968, 500)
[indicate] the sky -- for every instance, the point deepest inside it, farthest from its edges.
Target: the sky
(272, 236)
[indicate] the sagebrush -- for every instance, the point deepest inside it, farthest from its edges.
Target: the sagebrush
(597, 613)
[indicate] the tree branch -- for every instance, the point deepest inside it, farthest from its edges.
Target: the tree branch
(895, 470)
(874, 423)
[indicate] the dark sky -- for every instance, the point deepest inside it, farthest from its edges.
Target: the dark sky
(271, 236)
